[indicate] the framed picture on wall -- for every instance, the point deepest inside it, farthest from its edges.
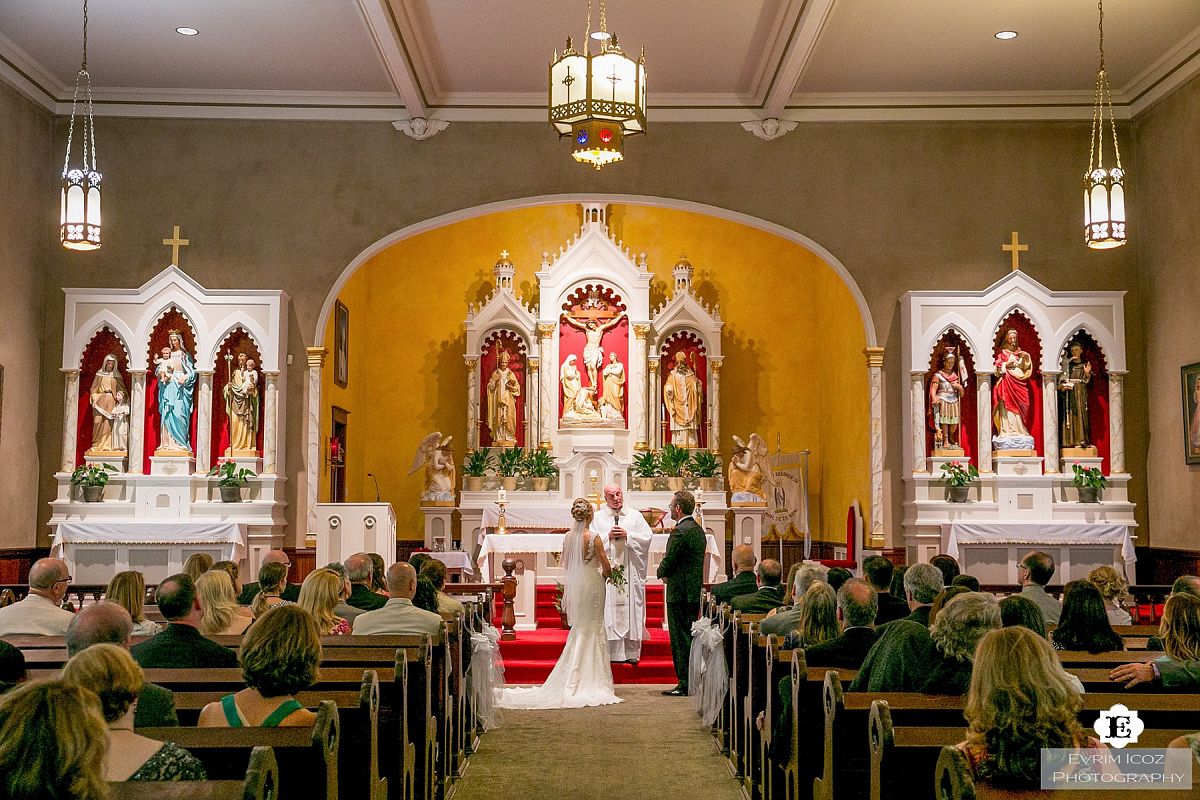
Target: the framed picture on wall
(1190, 380)
(341, 344)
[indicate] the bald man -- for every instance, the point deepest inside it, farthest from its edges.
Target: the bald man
(743, 581)
(626, 538)
(399, 617)
(291, 591)
(40, 614)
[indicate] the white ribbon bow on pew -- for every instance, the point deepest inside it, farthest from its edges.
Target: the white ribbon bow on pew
(486, 675)
(708, 675)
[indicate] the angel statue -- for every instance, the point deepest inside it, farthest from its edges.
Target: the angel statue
(749, 470)
(436, 456)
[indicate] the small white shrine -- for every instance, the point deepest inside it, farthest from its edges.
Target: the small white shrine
(161, 383)
(1023, 383)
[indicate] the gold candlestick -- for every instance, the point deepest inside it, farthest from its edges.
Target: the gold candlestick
(502, 523)
(594, 496)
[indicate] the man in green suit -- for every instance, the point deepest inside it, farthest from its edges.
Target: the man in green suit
(682, 568)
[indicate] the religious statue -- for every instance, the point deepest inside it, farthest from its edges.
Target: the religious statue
(946, 389)
(241, 406)
(1073, 388)
(750, 471)
(176, 373)
(593, 352)
(1012, 397)
(682, 395)
(579, 402)
(612, 402)
(435, 455)
(110, 410)
(503, 389)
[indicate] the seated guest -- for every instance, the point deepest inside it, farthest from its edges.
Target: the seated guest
(908, 657)
(417, 559)
(52, 743)
(39, 613)
(1017, 610)
(1188, 584)
(948, 566)
(897, 585)
(1115, 591)
(12, 667)
(197, 564)
(435, 571)
(221, 613)
(789, 595)
(1034, 572)
(817, 621)
(857, 604)
(425, 598)
(181, 645)
(379, 570)
(968, 582)
(1180, 634)
(290, 592)
(922, 585)
(837, 576)
(319, 596)
(231, 569)
(358, 569)
(117, 680)
(1019, 702)
(399, 616)
(769, 594)
(743, 580)
(943, 597)
(109, 623)
(878, 571)
(272, 578)
(785, 619)
(1084, 624)
(279, 658)
(343, 609)
(128, 590)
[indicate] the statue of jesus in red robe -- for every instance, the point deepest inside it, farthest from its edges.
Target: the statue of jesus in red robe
(1012, 397)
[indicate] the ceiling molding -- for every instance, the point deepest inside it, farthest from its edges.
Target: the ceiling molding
(21, 71)
(802, 42)
(773, 54)
(383, 25)
(1175, 68)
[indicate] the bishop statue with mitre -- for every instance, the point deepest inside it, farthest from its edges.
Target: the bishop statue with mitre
(627, 542)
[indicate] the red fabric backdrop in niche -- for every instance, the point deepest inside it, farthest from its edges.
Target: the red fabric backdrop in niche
(1097, 396)
(967, 430)
(1027, 340)
(102, 344)
(238, 341)
(173, 319)
(601, 303)
(515, 345)
(688, 343)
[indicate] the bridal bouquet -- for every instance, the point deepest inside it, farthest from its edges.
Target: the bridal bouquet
(617, 578)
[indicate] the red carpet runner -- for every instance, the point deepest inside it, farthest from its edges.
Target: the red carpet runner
(529, 659)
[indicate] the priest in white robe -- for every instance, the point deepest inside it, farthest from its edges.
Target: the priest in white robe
(627, 541)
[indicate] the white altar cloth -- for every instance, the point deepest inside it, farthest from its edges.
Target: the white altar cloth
(1040, 533)
(552, 543)
(176, 532)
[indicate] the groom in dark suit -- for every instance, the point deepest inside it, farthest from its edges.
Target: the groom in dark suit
(682, 568)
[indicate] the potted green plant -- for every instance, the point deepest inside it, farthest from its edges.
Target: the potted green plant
(646, 467)
(958, 478)
(704, 466)
(475, 467)
(558, 605)
(540, 467)
(230, 480)
(673, 461)
(91, 480)
(508, 466)
(1089, 481)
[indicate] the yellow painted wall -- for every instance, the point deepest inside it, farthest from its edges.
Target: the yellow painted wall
(792, 341)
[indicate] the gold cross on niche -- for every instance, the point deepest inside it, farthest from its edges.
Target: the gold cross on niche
(1015, 249)
(175, 242)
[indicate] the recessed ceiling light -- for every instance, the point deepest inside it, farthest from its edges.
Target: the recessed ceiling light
(193, 31)
(1006, 35)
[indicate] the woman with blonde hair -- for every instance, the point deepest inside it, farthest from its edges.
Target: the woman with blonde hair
(272, 579)
(197, 564)
(279, 658)
(1019, 702)
(319, 593)
(818, 616)
(128, 590)
(1115, 591)
(110, 672)
(1180, 628)
(52, 743)
(231, 569)
(220, 614)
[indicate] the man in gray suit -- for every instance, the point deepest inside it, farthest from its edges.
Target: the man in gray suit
(1034, 572)
(399, 617)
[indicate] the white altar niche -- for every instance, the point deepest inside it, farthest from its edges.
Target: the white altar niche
(162, 383)
(1038, 375)
(579, 377)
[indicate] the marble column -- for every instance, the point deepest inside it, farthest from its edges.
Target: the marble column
(316, 362)
(1116, 422)
(983, 419)
(137, 419)
(70, 419)
(875, 381)
(271, 423)
(1050, 422)
(204, 417)
(916, 386)
(655, 418)
(547, 414)
(533, 404)
(472, 404)
(714, 418)
(639, 420)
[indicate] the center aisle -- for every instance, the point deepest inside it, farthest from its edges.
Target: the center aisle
(649, 746)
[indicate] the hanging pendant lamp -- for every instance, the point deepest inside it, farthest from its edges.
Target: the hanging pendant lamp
(79, 220)
(1103, 188)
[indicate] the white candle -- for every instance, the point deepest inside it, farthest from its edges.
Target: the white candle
(501, 496)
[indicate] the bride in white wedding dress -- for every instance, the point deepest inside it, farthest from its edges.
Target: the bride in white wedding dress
(583, 675)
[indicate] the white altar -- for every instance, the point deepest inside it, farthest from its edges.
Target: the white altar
(991, 551)
(94, 551)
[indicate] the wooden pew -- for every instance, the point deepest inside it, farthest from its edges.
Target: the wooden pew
(741, 640)
(779, 664)
(261, 782)
(801, 765)
(753, 702)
